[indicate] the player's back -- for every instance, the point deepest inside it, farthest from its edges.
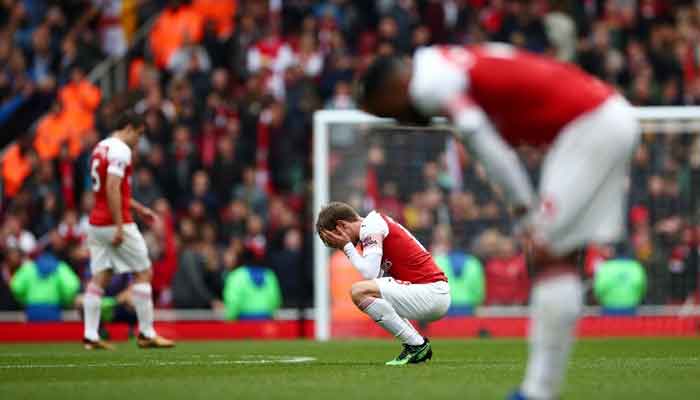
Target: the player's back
(405, 258)
(110, 156)
(528, 97)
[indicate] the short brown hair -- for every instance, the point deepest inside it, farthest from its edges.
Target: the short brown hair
(332, 213)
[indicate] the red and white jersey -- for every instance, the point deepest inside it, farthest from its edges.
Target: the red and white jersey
(403, 257)
(528, 98)
(110, 156)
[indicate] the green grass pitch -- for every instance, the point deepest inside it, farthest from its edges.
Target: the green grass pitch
(461, 369)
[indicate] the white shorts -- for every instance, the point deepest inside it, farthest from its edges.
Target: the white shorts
(584, 179)
(422, 302)
(130, 256)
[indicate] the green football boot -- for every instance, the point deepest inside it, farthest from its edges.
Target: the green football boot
(413, 354)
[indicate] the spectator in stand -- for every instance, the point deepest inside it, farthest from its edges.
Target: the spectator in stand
(287, 262)
(250, 193)
(79, 101)
(16, 235)
(146, 190)
(177, 21)
(44, 287)
(507, 281)
(10, 261)
(251, 291)
(190, 289)
(465, 276)
(620, 284)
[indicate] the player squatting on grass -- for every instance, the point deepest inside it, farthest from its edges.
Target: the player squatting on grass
(114, 240)
(402, 280)
(496, 96)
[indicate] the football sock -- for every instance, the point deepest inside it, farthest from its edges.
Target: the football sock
(384, 314)
(555, 306)
(141, 294)
(91, 311)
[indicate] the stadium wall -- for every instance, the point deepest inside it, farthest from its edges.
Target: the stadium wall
(453, 327)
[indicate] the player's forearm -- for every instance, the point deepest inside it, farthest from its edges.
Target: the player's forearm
(114, 202)
(138, 207)
(368, 265)
(500, 160)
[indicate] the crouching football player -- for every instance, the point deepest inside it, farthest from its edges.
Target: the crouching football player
(402, 280)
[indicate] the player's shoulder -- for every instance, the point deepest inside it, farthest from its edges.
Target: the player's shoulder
(373, 223)
(117, 148)
(436, 79)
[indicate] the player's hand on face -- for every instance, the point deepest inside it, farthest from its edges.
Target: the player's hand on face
(118, 237)
(335, 238)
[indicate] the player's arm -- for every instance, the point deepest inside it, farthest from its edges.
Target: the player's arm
(145, 212)
(475, 130)
(368, 263)
(114, 203)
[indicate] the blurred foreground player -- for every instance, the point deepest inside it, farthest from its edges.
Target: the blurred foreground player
(402, 280)
(114, 240)
(498, 97)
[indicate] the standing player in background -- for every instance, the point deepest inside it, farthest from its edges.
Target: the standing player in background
(496, 95)
(114, 240)
(402, 280)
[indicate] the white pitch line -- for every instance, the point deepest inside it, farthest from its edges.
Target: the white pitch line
(252, 360)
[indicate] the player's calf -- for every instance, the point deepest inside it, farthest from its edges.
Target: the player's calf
(363, 292)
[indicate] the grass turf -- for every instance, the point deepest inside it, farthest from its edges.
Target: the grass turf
(461, 369)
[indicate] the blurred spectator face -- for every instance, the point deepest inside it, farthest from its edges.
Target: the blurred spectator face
(249, 176)
(255, 225)
(225, 147)
(219, 80)
(77, 74)
(13, 259)
(229, 260)
(421, 36)
(197, 210)
(144, 178)
(655, 185)
(41, 38)
(181, 137)
(200, 183)
(209, 233)
(388, 29)
(293, 240)
(13, 225)
(238, 210)
(386, 49)
(188, 230)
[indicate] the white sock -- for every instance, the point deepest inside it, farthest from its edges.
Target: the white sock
(91, 311)
(555, 307)
(384, 314)
(143, 303)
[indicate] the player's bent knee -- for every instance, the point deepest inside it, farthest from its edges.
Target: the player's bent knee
(359, 291)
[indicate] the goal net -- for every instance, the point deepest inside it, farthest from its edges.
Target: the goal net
(430, 183)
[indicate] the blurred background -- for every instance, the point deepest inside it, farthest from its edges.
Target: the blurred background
(228, 89)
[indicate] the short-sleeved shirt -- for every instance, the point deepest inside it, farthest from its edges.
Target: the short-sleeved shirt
(110, 156)
(403, 257)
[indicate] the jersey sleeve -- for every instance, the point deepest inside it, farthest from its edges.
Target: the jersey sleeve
(440, 75)
(118, 158)
(372, 232)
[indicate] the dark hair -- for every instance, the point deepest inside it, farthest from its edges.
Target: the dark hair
(334, 212)
(129, 117)
(378, 73)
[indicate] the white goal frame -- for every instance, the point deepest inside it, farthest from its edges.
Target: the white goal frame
(663, 117)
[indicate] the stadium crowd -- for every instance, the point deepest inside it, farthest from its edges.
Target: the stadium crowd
(228, 89)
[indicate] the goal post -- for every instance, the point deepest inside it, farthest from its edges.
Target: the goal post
(350, 135)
